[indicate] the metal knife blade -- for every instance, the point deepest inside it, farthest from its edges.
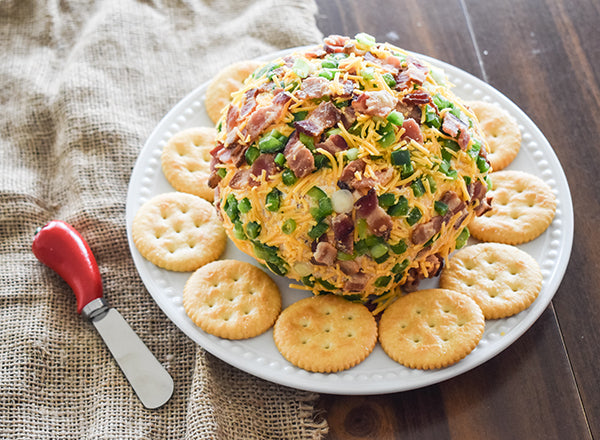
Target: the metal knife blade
(149, 379)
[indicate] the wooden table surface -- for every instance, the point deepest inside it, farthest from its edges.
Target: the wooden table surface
(545, 56)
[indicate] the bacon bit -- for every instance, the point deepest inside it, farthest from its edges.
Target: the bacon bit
(248, 106)
(350, 267)
(357, 282)
(315, 87)
(424, 231)
(325, 253)
(349, 180)
(242, 179)
(343, 226)
(265, 116)
(347, 89)
(326, 115)
(484, 206)
(454, 202)
(298, 157)
(335, 43)
(412, 130)
(266, 163)
(348, 116)
(414, 276)
(379, 222)
(333, 144)
(417, 72)
(378, 103)
(232, 117)
(417, 98)
(233, 153)
(409, 111)
(384, 175)
(476, 190)
(463, 139)
(452, 125)
(317, 52)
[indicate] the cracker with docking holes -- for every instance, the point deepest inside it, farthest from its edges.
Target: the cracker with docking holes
(178, 231)
(325, 333)
(503, 279)
(431, 328)
(232, 299)
(523, 206)
(186, 160)
(230, 79)
(501, 132)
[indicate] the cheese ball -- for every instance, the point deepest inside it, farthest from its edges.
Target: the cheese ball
(350, 167)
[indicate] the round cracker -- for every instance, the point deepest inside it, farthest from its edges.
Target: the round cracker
(523, 206)
(431, 328)
(501, 132)
(178, 231)
(228, 80)
(325, 333)
(232, 299)
(502, 279)
(186, 160)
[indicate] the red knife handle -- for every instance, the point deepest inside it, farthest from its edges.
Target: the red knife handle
(60, 247)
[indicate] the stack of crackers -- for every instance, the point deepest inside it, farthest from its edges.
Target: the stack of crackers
(427, 329)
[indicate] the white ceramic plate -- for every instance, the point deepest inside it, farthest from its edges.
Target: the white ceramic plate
(378, 373)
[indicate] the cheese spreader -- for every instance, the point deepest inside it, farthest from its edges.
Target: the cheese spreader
(60, 247)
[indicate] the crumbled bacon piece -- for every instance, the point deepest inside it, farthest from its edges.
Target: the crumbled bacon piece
(333, 144)
(424, 231)
(378, 103)
(262, 117)
(357, 282)
(315, 87)
(325, 253)
(299, 158)
(266, 163)
(325, 116)
(420, 97)
(343, 226)
(412, 130)
(379, 222)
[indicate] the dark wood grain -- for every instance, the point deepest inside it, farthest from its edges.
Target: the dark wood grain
(545, 56)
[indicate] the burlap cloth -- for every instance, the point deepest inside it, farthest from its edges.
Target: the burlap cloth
(82, 84)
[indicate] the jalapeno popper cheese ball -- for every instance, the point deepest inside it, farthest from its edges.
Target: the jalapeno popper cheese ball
(349, 167)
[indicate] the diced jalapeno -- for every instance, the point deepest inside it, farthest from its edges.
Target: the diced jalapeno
(266, 70)
(400, 267)
(467, 180)
(365, 39)
(475, 149)
(280, 267)
(400, 157)
(396, 118)
(362, 228)
(316, 193)
(279, 159)
(231, 207)
(342, 256)
(386, 200)
(440, 207)
(441, 102)
(238, 230)
(449, 144)
(323, 209)
(462, 238)
(390, 81)
(383, 281)
(244, 205)
(379, 250)
(321, 161)
(330, 63)
(367, 73)
(388, 135)
(325, 283)
(399, 248)
(273, 200)
(221, 172)
(414, 216)
(307, 140)
(318, 230)
(272, 142)
(431, 117)
(400, 208)
(253, 229)
(301, 115)
(251, 154)
(418, 188)
(327, 74)
(288, 177)
(431, 182)
(308, 281)
(482, 164)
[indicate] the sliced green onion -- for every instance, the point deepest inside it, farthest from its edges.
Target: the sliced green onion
(488, 182)
(288, 226)
(352, 153)
(238, 230)
(323, 209)
(475, 149)
(396, 118)
(400, 267)
(365, 39)
(367, 73)
(301, 67)
(345, 257)
(330, 63)
(327, 74)
(467, 180)
(316, 193)
(449, 143)
(441, 102)
(307, 140)
(362, 228)
(379, 250)
(431, 182)
(301, 115)
(482, 164)
(308, 281)
(440, 207)
(221, 172)
(321, 161)
(431, 117)
(231, 207)
(388, 135)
